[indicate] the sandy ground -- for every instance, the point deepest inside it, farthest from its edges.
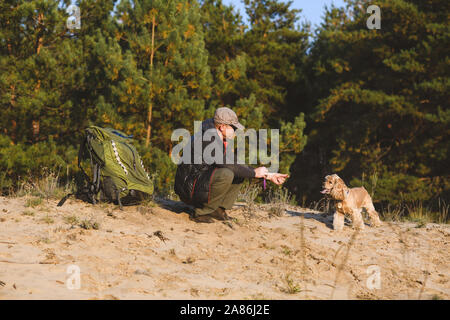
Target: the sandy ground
(156, 252)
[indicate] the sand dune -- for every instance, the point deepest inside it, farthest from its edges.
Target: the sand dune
(158, 253)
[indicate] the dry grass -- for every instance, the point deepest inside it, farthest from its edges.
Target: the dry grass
(89, 224)
(392, 213)
(343, 263)
(279, 199)
(418, 212)
(72, 220)
(33, 202)
(286, 250)
(248, 194)
(46, 186)
(323, 205)
(405, 250)
(303, 250)
(47, 219)
(290, 286)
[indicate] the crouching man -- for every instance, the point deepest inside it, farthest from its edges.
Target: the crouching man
(213, 188)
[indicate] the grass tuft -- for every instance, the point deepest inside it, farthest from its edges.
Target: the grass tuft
(417, 211)
(47, 220)
(33, 202)
(291, 286)
(279, 199)
(28, 213)
(72, 220)
(89, 224)
(248, 194)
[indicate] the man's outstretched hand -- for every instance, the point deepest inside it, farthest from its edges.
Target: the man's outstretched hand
(261, 172)
(277, 178)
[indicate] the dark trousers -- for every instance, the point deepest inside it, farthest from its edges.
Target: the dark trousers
(223, 192)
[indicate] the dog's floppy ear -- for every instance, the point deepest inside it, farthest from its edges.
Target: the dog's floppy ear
(331, 177)
(337, 192)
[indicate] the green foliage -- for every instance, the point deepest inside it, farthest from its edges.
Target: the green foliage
(397, 188)
(292, 141)
(379, 98)
(276, 50)
(160, 166)
(259, 71)
(19, 160)
(166, 43)
(224, 31)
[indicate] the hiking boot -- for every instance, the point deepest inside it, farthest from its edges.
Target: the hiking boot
(206, 218)
(220, 214)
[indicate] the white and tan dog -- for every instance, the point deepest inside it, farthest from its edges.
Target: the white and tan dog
(349, 201)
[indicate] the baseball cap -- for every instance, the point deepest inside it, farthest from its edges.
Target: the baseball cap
(225, 115)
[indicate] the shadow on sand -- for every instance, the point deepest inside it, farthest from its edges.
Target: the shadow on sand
(174, 206)
(179, 207)
(324, 218)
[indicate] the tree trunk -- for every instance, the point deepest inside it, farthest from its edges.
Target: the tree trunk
(35, 123)
(13, 123)
(150, 107)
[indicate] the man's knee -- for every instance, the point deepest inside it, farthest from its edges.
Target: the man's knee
(238, 180)
(224, 175)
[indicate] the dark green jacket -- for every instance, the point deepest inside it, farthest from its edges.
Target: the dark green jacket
(193, 181)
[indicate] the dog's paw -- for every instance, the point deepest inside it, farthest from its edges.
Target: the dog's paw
(358, 226)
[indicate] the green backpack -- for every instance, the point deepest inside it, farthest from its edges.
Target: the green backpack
(117, 168)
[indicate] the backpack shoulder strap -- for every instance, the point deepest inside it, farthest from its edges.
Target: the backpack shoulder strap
(93, 185)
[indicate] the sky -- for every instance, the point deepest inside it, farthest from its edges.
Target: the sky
(312, 10)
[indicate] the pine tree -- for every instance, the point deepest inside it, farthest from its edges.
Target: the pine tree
(166, 42)
(38, 63)
(256, 71)
(381, 100)
(224, 31)
(32, 33)
(54, 81)
(276, 48)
